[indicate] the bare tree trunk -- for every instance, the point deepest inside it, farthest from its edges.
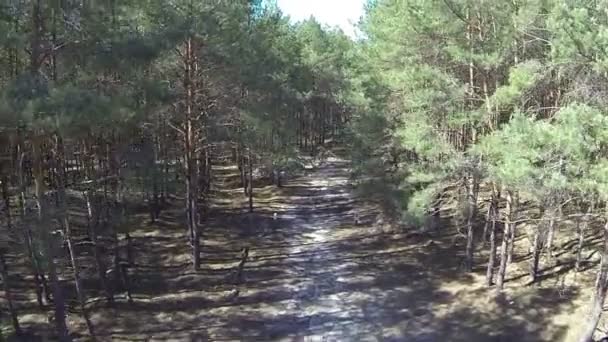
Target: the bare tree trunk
(493, 216)
(512, 229)
(154, 201)
(601, 287)
(58, 299)
(3, 268)
(536, 250)
(250, 182)
(60, 169)
(472, 190)
(48, 241)
(92, 215)
(78, 283)
(42, 289)
(487, 224)
(189, 151)
(582, 227)
(8, 294)
(551, 234)
(243, 174)
(502, 270)
(128, 264)
(192, 197)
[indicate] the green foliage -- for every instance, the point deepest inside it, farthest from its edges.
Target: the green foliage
(433, 72)
(521, 78)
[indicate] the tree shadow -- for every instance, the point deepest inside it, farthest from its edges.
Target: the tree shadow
(311, 272)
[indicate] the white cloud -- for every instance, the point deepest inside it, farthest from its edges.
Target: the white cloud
(342, 13)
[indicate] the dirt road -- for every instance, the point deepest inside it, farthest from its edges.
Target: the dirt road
(313, 275)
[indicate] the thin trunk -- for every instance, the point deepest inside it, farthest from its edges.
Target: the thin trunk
(551, 234)
(77, 282)
(42, 289)
(493, 216)
(472, 190)
(92, 216)
(502, 270)
(582, 227)
(243, 172)
(536, 251)
(3, 268)
(8, 294)
(189, 151)
(122, 267)
(488, 103)
(7, 203)
(48, 242)
(65, 220)
(601, 287)
(512, 230)
(488, 223)
(154, 201)
(250, 182)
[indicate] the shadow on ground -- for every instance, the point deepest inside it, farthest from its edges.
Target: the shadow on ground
(311, 272)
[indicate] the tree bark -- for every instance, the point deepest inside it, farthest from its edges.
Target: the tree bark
(8, 294)
(48, 241)
(536, 250)
(551, 234)
(493, 216)
(472, 190)
(601, 287)
(42, 289)
(77, 282)
(3, 268)
(60, 170)
(487, 224)
(502, 270)
(92, 214)
(189, 151)
(512, 229)
(582, 227)
(250, 182)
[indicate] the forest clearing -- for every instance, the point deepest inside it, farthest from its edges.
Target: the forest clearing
(217, 171)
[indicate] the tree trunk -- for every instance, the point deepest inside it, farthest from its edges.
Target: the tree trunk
(536, 250)
(8, 294)
(58, 299)
(502, 270)
(3, 268)
(48, 241)
(487, 224)
(472, 190)
(77, 282)
(551, 235)
(154, 201)
(512, 229)
(192, 197)
(243, 174)
(65, 220)
(601, 287)
(189, 152)
(122, 266)
(582, 227)
(493, 216)
(250, 182)
(92, 213)
(42, 289)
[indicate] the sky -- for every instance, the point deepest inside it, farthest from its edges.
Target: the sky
(342, 13)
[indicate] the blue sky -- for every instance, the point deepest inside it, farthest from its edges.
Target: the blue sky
(332, 12)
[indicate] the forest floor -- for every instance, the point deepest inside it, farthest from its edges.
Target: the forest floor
(314, 275)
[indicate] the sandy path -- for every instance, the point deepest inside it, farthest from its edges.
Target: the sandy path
(312, 275)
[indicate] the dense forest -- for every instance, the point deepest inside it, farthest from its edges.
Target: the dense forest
(476, 130)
